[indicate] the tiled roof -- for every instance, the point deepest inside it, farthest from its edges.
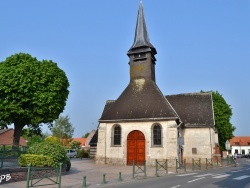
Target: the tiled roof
(194, 109)
(240, 141)
(6, 137)
(141, 100)
(81, 140)
(4, 130)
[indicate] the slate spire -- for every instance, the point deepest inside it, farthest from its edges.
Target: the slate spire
(141, 40)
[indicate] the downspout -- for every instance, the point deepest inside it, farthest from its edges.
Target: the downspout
(210, 142)
(105, 158)
(213, 122)
(178, 135)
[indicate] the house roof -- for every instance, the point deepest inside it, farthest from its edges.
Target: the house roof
(94, 139)
(240, 141)
(81, 140)
(194, 109)
(4, 130)
(140, 101)
(6, 137)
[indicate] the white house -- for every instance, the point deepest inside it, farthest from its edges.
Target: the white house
(240, 145)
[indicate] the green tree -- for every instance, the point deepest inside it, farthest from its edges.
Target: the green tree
(86, 135)
(34, 139)
(75, 145)
(3, 125)
(32, 135)
(63, 129)
(32, 92)
(222, 114)
(31, 131)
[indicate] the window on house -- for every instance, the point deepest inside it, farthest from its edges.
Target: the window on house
(236, 151)
(243, 152)
(157, 140)
(194, 150)
(248, 143)
(116, 135)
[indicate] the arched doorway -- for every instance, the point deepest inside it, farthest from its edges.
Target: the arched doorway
(135, 147)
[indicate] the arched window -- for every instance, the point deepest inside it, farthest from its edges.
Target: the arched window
(157, 141)
(116, 135)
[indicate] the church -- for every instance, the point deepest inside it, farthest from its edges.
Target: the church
(144, 124)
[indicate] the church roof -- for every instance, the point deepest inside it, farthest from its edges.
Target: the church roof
(141, 40)
(140, 101)
(194, 109)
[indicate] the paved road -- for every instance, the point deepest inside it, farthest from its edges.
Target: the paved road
(229, 176)
(93, 172)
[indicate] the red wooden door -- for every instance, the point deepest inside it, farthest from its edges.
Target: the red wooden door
(135, 147)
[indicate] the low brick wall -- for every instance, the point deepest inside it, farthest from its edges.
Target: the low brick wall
(20, 174)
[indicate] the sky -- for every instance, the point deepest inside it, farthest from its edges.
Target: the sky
(201, 45)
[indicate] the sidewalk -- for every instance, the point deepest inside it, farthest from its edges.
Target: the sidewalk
(94, 175)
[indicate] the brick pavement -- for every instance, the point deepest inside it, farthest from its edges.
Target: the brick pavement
(94, 175)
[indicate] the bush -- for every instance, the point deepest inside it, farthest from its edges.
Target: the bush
(35, 160)
(79, 153)
(55, 151)
(83, 153)
(52, 139)
(68, 163)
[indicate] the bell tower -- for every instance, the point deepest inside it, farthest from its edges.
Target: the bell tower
(142, 53)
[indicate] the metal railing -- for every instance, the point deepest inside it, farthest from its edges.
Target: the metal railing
(139, 168)
(180, 165)
(161, 166)
(196, 164)
(9, 156)
(37, 177)
(209, 163)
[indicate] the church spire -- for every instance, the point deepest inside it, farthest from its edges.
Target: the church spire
(141, 40)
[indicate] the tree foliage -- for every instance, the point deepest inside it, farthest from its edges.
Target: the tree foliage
(3, 125)
(86, 135)
(55, 151)
(75, 145)
(32, 92)
(52, 139)
(222, 114)
(30, 132)
(63, 129)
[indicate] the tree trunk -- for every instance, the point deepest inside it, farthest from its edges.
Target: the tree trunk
(17, 133)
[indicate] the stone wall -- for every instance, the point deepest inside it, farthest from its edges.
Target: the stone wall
(199, 143)
(108, 154)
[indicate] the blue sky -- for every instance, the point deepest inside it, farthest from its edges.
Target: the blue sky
(201, 45)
